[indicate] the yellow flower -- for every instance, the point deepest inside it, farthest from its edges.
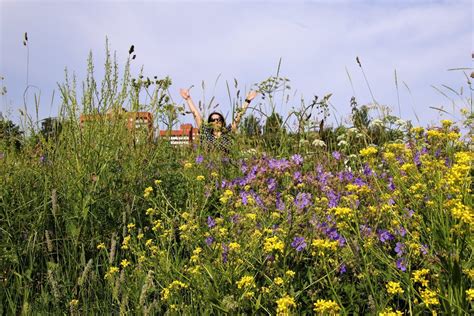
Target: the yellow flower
(429, 297)
(394, 288)
(278, 281)
(112, 270)
(326, 306)
(101, 246)
(200, 178)
(233, 246)
(131, 226)
(125, 263)
(188, 165)
(251, 216)
(158, 182)
(368, 151)
(273, 243)
(73, 302)
(126, 241)
(140, 236)
(418, 276)
(446, 123)
(147, 192)
(290, 273)
(150, 211)
(470, 295)
(284, 305)
(214, 174)
(246, 281)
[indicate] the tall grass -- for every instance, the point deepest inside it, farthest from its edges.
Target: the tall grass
(370, 218)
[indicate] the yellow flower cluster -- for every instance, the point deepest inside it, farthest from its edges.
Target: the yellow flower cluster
(112, 270)
(195, 256)
(175, 285)
(394, 288)
(234, 246)
(246, 281)
(200, 178)
(323, 245)
(278, 281)
(418, 276)
(273, 243)
(429, 297)
(126, 242)
(147, 192)
(342, 212)
(368, 151)
(326, 306)
(284, 305)
(226, 196)
(470, 295)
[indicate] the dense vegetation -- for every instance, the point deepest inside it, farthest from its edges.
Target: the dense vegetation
(373, 217)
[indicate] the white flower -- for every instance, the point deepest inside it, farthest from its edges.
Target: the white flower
(319, 143)
(352, 130)
(376, 123)
(342, 143)
(341, 137)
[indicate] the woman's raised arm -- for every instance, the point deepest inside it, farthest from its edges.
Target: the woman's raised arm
(240, 112)
(197, 116)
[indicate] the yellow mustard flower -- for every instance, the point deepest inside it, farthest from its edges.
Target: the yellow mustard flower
(285, 304)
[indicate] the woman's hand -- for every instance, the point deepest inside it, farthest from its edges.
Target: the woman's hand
(184, 93)
(251, 95)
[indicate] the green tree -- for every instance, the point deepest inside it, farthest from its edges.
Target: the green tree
(10, 134)
(251, 126)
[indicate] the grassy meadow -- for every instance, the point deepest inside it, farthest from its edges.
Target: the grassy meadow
(373, 217)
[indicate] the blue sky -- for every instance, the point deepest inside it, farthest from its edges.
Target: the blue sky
(202, 40)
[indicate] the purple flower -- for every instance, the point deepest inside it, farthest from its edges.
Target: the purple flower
(297, 176)
(367, 170)
(342, 269)
(401, 264)
(225, 251)
(390, 185)
(384, 235)
(336, 155)
(210, 222)
(209, 240)
(399, 249)
(271, 184)
(333, 198)
(199, 159)
(280, 205)
(365, 230)
(424, 249)
(302, 200)
(402, 231)
(298, 243)
(297, 159)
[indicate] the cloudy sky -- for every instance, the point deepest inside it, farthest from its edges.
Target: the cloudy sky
(196, 41)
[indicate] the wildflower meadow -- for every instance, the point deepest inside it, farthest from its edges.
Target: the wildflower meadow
(301, 217)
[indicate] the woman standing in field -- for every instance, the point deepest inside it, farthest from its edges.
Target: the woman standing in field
(215, 134)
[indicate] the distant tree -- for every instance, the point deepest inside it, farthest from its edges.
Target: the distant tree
(10, 134)
(50, 128)
(273, 125)
(251, 126)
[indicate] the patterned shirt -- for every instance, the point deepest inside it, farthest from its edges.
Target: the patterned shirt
(222, 143)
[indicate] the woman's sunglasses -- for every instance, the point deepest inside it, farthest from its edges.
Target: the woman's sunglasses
(215, 119)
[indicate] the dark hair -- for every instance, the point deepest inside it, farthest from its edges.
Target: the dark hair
(216, 113)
